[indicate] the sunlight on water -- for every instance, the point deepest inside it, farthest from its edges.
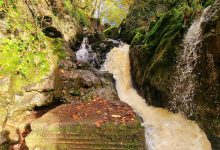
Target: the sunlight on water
(163, 130)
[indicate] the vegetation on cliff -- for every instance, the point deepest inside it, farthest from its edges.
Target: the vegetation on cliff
(157, 29)
(37, 66)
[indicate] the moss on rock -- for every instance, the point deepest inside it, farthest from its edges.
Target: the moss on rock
(28, 58)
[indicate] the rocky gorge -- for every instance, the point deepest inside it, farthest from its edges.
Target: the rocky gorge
(54, 77)
(174, 58)
(52, 100)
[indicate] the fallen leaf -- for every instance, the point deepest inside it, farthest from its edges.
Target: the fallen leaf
(116, 116)
(98, 123)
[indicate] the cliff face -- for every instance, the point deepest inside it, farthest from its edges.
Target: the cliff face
(39, 71)
(175, 68)
(33, 39)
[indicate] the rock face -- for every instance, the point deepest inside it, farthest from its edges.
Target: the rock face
(54, 19)
(156, 43)
(76, 81)
(38, 70)
(29, 58)
(97, 124)
(101, 48)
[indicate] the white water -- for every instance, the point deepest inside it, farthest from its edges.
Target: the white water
(83, 53)
(184, 83)
(163, 130)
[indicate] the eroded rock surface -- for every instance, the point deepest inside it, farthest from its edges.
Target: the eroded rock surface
(97, 124)
(78, 81)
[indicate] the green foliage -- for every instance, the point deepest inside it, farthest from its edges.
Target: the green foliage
(26, 53)
(1, 3)
(82, 17)
(158, 44)
(206, 3)
(76, 12)
(111, 31)
(137, 38)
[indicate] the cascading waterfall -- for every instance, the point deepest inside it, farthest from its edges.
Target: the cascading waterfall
(184, 79)
(85, 53)
(163, 130)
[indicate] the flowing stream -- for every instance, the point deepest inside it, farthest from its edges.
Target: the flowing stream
(163, 130)
(83, 53)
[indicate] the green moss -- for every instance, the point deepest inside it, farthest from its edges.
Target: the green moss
(137, 39)
(161, 41)
(107, 136)
(4, 146)
(58, 48)
(207, 2)
(1, 3)
(111, 31)
(26, 52)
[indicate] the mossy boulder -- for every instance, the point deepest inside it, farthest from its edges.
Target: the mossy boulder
(97, 124)
(154, 54)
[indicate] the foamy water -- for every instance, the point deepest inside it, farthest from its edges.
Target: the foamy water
(163, 130)
(83, 53)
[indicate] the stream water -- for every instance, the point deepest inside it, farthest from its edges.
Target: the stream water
(85, 53)
(163, 129)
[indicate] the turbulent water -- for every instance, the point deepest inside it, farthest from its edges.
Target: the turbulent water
(163, 130)
(184, 82)
(85, 53)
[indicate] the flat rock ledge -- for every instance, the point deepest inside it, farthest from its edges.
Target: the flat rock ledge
(93, 125)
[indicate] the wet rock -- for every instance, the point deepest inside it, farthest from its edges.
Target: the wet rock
(52, 32)
(32, 99)
(101, 48)
(153, 67)
(79, 81)
(97, 124)
(2, 14)
(15, 103)
(4, 137)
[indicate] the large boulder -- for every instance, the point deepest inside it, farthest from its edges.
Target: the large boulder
(97, 124)
(78, 81)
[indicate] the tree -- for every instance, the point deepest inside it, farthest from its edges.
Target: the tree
(110, 11)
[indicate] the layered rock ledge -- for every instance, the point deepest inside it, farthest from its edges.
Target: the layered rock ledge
(98, 124)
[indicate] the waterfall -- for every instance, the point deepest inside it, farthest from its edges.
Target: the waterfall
(85, 53)
(163, 130)
(184, 79)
